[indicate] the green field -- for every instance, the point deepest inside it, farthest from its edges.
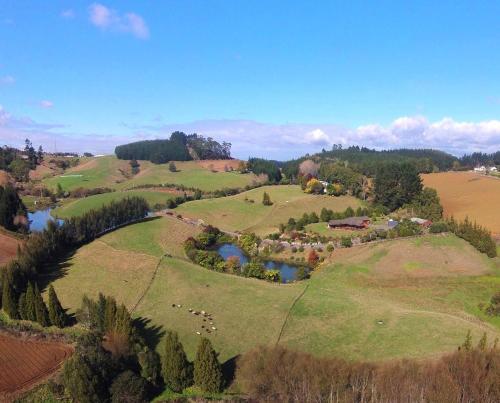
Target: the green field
(424, 310)
(81, 206)
(239, 213)
(114, 173)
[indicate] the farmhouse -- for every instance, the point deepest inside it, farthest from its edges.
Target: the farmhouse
(350, 223)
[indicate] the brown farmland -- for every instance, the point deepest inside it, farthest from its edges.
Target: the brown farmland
(24, 363)
(8, 248)
(468, 194)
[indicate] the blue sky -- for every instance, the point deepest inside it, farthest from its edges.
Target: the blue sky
(276, 78)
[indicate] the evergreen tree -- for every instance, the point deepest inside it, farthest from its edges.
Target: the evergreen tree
(57, 315)
(266, 199)
(130, 388)
(207, 369)
(21, 306)
(172, 167)
(176, 369)
(29, 304)
(482, 342)
(9, 303)
(42, 315)
(467, 346)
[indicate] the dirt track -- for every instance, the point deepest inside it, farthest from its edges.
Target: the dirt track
(24, 363)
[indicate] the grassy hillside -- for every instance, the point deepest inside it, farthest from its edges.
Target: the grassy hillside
(114, 173)
(239, 213)
(81, 206)
(425, 293)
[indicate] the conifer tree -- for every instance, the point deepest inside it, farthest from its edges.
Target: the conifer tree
(9, 303)
(207, 369)
(42, 315)
(482, 342)
(467, 346)
(57, 315)
(21, 306)
(266, 199)
(176, 369)
(29, 304)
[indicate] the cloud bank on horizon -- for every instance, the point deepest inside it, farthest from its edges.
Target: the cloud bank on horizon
(285, 141)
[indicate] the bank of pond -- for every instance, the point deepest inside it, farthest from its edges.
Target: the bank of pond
(288, 272)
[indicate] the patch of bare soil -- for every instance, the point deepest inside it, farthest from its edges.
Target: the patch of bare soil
(219, 165)
(8, 248)
(91, 164)
(25, 362)
(42, 171)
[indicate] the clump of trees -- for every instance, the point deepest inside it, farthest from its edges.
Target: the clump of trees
(261, 166)
(278, 374)
(12, 210)
(396, 185)
(478, 236)
(426, 204)
(178, 147)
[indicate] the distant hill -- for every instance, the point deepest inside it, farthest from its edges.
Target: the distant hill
(180, 147)
(366, 161)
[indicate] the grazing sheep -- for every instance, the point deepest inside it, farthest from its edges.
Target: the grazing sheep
(198, 333)
(214, 328)
(178, 306)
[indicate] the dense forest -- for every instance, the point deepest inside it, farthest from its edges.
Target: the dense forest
(180, 147)
(262, 166)
(367, 161)
(475, 159)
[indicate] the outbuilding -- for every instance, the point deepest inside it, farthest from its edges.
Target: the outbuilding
(350, 223)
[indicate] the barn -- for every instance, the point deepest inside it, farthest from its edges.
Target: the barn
(350, 223)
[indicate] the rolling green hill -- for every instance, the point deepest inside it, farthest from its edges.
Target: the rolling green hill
(400, 298)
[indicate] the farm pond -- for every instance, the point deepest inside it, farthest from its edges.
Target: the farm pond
(39, 219)
(288, 272)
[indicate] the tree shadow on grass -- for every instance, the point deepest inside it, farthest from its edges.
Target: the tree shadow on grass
(229, 370)
(55, 271)
(152, 334)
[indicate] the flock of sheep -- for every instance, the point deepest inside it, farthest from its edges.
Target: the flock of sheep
(208, 327)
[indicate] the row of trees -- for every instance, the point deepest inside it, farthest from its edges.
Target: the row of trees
(179, 147)
(281, 375)
(48, 246)
(478, 236)
(178, 373)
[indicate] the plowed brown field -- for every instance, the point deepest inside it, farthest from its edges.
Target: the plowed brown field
(24, 363)
(8, 248)
(468, 194)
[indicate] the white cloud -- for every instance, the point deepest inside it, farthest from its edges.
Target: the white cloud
(7, 80)
(109, 19)
(68, 14)
(46, 104)
(251, 138)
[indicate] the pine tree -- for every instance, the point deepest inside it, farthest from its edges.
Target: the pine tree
(42, 315)
(207, 369)
(57, 315)
(482, 342)
(467, 346)
(266, 199)
(176, 369)
(29, 304)
(9, 303)
(21, 306)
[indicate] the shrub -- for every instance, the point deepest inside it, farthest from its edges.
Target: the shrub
(329, 248)
(346, 242)
(438, 227)
(129, 387)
